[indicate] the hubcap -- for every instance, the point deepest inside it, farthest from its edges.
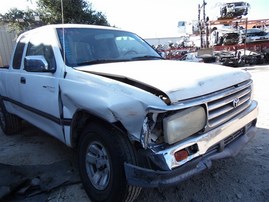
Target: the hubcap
(98, 165)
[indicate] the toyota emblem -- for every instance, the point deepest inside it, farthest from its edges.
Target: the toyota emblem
(236, 102)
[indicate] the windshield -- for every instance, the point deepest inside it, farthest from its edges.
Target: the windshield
(84, 46)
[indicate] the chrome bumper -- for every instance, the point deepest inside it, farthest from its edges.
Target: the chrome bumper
(207, 140)
(174, 172)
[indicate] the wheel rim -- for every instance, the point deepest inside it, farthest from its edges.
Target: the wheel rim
(98, 165)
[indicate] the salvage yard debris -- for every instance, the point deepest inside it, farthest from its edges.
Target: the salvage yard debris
(20, 182)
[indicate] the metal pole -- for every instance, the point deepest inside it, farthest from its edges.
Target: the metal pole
(204, 10)
(245, 45)
(205, 24)
(200, 26)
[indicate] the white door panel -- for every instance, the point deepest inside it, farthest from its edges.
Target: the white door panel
(39, 95)
(40, 91)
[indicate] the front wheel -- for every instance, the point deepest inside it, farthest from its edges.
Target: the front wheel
(101, 154)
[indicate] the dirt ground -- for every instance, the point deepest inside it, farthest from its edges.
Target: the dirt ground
(243, 178)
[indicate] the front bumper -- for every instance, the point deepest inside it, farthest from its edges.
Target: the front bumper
(211, 147)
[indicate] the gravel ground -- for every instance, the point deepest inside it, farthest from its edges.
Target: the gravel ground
(243, 178)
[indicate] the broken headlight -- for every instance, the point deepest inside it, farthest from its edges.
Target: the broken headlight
(184, 124)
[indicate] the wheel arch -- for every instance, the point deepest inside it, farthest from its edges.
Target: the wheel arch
(82, 117)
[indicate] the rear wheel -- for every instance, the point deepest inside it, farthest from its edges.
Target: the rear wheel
(101, 154)
(9, 123)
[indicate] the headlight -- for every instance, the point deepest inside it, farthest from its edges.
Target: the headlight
(184, 124)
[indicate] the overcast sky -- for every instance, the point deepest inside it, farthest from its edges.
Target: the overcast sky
(154, 18)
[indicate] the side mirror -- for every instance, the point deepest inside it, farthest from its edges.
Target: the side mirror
(36, 63)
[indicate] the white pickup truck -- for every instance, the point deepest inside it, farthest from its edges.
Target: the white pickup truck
(135, 119)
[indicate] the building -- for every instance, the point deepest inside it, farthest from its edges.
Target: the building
(188, 27)
(7, 43)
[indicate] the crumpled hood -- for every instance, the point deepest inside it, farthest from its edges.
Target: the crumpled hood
(179, 80)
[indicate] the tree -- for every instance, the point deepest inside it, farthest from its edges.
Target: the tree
(50, 12)
(20, 21)
(74, 11)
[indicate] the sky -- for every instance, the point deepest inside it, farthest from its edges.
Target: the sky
(153, 18)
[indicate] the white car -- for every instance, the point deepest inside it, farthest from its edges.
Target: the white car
(192, 57)
(234, 9)
(253, 35)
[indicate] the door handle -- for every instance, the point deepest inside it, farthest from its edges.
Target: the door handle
(23, 80)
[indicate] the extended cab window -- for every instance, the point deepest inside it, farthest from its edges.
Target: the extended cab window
(18, 54)
(37, 47)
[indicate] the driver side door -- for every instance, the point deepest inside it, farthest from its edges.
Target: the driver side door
(40, 90)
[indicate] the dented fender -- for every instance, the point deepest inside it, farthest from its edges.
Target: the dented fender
(107, 99)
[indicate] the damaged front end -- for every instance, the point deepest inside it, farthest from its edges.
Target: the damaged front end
(172, 127)
(183, 139)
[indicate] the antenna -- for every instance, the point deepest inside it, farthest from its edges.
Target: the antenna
(62, 9)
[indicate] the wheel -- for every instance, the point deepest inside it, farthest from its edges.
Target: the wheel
(9, 123)
(101, 154)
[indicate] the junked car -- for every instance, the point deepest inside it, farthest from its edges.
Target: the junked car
(253, 35)
(192, 57)
(234, 9)
(134, 119)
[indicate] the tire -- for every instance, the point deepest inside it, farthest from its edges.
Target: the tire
(9, 123)
(101, 154)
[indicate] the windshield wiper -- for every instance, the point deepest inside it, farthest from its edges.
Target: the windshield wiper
(147, 57)
(100, 61)
(92, 62)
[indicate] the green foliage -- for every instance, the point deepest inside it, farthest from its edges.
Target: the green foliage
(50, 12)
(20, 21)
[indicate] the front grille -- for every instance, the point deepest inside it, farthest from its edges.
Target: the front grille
(222, 144)
(229, 103)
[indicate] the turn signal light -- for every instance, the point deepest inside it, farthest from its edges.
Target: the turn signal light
(181, 155)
